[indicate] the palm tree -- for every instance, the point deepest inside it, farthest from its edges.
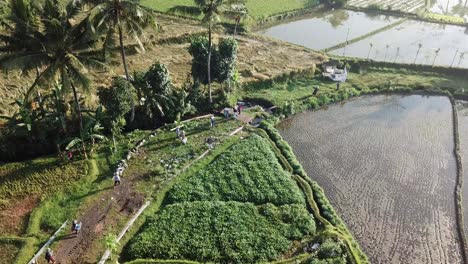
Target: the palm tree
(212, 11)
(62, 51)
(121, 15)
(237, 13)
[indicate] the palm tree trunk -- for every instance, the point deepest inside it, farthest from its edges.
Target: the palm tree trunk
(209, 62)
(124, 62)
(80, 116)
(235, 28)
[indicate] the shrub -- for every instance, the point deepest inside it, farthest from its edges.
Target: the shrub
(117, 99)
(323, 99)
(222, 232)
(329, 249)
(313, 103)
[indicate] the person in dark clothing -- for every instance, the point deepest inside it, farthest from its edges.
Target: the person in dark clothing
(70, 156)
(49, 256)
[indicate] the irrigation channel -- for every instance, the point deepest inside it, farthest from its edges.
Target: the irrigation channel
(387, 165)
(378, 37)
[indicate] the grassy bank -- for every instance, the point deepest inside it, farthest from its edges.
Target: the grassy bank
(294, 93)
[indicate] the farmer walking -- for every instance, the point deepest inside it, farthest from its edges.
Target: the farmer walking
(116, 179)
(183, 138)
(76, 227)
(49, 256)
(212, 121)
(177, 131)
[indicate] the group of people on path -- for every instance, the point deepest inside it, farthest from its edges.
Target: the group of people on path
(181, 135)
(236, 111)
(49, 255)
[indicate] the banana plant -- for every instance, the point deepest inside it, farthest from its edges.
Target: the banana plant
(24, 117)
(92, 132)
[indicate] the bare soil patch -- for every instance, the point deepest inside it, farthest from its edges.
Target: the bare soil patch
(14, 215)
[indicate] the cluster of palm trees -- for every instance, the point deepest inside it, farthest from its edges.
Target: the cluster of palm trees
(59, 43)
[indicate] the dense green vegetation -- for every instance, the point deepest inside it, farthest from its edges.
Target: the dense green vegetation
(222, 232)
(205, 220)
(247, 172)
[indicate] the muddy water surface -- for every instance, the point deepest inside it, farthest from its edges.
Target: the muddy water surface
(401, 44)
(450, 7)
(326, 30)
(387, 165)
(462, 108)
(411, 42)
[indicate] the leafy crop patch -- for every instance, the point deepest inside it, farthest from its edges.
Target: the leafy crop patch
(227, 232)
(247, 172)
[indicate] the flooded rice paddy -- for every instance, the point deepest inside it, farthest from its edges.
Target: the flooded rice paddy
(387, 165)
(450, 7)
(446, 7)
(323, 31)
(409, 6)
(462, 109)
(401, 44)
(410, 42)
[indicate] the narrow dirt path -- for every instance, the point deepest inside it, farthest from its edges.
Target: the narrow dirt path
(122, 199)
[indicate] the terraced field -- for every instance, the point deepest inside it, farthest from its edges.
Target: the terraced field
(387, 165)
(409, 6)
